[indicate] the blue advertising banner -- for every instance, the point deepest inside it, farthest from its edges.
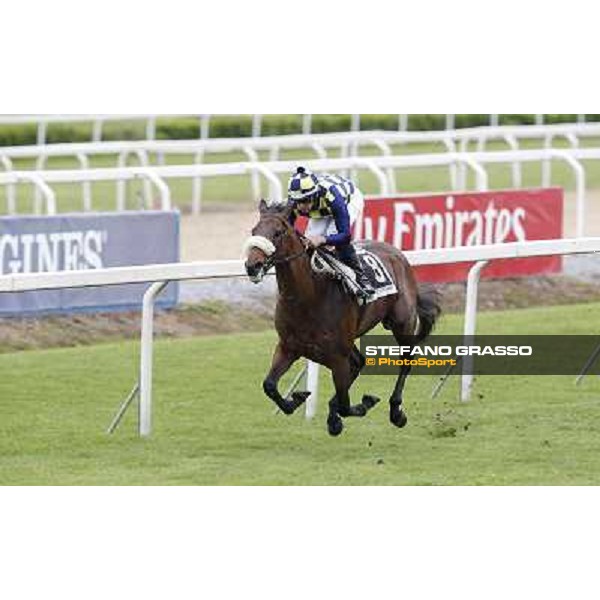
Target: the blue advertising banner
(86, 241)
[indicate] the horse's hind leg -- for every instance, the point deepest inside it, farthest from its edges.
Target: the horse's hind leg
(282, 361)
(397, 415)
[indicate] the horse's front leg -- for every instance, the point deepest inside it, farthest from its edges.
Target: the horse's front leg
(344, 375)
(282, 361)
(357, 362)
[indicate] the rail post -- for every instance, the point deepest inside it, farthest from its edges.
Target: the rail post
(150, 176)
(580, 185)
(204, 127)
(312, 386)
(86, 186)
(517, 174)
(256, 125)
(276, 189)
(41, 133)
(11, 196)
(142, 157)
(307, 124)
(146, 357)
(253, 158)
(97, 130)
(481, 176)
(197, 185)
(470, 327)
(378, 172)
(452, 170)
(46, 191)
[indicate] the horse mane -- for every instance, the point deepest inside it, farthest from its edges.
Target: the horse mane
(274, 208)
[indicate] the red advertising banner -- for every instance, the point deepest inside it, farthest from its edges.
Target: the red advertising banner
(468, 219)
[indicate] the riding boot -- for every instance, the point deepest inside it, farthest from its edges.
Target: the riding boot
(349, 257)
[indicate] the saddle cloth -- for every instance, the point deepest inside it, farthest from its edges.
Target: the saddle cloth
(326, 263)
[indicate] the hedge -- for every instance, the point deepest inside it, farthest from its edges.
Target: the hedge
(241, 126)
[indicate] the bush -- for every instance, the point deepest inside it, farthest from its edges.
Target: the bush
(235, 126)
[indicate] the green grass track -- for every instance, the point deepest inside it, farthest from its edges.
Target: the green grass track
(214, 426)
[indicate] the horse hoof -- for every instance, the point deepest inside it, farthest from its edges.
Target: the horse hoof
(300, 398)
(358, 411)
(370, 402)
(335, 426)
(399, 419)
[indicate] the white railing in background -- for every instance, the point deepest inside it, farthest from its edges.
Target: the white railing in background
(97, 121)
(347, 144)
(160, 275)
(382, 167)
(41, 122)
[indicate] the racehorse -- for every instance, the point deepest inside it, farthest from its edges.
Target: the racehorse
(318, 320)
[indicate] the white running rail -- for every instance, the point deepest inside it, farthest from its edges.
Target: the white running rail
(159, 274)
(347, 144)
(380, 166)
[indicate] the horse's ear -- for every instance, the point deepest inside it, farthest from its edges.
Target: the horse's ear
(262, 207)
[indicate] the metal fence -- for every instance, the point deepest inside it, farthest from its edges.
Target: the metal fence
(348, 145)
(382, 167)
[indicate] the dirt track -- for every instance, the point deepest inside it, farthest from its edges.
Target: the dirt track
(215, 236)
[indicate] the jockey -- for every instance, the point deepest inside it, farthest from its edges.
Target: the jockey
(333, 204)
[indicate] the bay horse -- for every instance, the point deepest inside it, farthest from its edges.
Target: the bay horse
(318, 320)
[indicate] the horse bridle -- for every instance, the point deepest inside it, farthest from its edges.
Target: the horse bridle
(272, 261)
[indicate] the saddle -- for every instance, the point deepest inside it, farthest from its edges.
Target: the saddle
(326, 263)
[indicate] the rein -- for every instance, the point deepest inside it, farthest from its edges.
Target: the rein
(272, 261)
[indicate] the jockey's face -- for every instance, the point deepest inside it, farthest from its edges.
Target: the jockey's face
(304, 206)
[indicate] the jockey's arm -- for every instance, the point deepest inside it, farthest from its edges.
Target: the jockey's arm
(339, 209)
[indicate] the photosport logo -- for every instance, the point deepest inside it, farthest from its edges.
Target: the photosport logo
(483, 355)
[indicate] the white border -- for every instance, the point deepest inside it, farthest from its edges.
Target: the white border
(301, 543)
(298, 543)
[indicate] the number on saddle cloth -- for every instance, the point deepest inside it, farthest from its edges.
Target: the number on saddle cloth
(377, 273)
(326, 263)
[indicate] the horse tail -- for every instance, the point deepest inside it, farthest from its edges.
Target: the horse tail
(429, 310)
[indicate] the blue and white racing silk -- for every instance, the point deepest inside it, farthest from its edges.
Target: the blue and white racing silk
(336, 188)
(333, 213)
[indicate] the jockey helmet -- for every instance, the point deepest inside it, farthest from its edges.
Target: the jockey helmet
(303, 186)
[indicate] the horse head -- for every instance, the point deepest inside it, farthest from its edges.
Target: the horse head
(271, 242)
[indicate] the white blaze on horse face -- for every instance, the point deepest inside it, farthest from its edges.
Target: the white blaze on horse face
(262, 243)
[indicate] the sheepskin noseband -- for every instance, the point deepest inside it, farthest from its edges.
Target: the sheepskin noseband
(262, 243)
